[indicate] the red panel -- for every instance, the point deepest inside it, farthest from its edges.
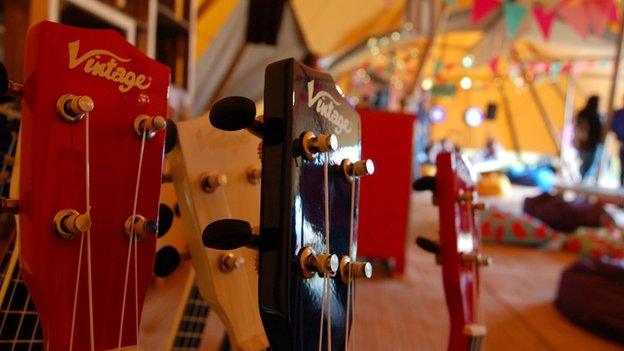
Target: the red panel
(385, 196)
(52, 177)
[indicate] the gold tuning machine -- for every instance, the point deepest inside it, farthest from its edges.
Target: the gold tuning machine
(149, 125)
(313, 144)
(353, 269)
(9, 206)
(310, 262)
(466, 196)
(74, 108)
(68, 223)
(230, 262)
(355, 169)
(479, 259)
(139, 227)
(211, 181)
(254, 174)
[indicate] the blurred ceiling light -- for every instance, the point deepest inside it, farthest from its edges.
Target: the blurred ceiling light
(408, 26)
(473, 116)
(395, 36)
(372, 41)
(467, 61)
(437, 114)
(465, 83)
(384, 41)
(427, 84)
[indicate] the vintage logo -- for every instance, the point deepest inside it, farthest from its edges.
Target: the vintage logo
(326, 107)
(97, 65)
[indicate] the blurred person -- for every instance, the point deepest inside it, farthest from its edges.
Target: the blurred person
(618, 128)
(587, 134)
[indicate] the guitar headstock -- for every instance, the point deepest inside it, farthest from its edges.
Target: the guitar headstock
(459, 248)
(217, 177)
(311, 164)
(91, 150)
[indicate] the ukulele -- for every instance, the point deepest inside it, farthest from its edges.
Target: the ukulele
(217, 176)
(307, 242)
(90, 162)
(459, 249)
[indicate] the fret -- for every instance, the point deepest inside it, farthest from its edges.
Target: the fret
(191, 328)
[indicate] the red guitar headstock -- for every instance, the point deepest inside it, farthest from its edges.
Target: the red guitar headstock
(90, 166)
(459, 248)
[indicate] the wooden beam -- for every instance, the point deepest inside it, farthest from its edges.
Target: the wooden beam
(515, 140)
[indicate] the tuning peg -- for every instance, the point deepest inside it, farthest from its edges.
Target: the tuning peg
(9, 206)
(68, 223)
(479, 259)
(166, 261)
(254, 174)
(149, 125)
(165, 219)
(211, 181)
(171, 138)
(353, 269)
(140, 227)
(428, 245)
(360, 168)
(311, 262)
(229, 234)
(230, 262)
(235, 113)
(8, 87)
(73, 108)
(313, 144)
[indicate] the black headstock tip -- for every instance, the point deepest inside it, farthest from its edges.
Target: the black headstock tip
(233, 113)
(165, 219)
(227, 234)
(171, 137)
(166, 262)
(425, 183)
(428, 245)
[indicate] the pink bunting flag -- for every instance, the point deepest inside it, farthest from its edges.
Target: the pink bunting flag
(482, 7)
(614, 15)
(598, 13)
(494, 65)
(544, 20)
(574, 14)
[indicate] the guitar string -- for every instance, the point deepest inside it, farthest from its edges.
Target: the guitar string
(88, 233)
(130, 242)
(75, 304)
(8, 307)
(34, 333)
(326, 295)
(352, 256)
(190, 332)
(21, 321)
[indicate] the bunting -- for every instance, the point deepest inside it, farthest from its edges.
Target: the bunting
(514, 15)
(482, 7)
(574, 14)
(544, 20)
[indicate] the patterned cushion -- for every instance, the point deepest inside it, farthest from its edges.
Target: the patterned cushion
(506, 227)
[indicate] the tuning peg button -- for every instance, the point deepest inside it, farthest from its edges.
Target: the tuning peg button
(310, 262)
(353, 269)
(68, 223)
(313, 144)
(149, 125)
(357, 169)
(140, 227)
(229, 234)
(211, 181)
(254, 174)
(479, 259)
(73, 108)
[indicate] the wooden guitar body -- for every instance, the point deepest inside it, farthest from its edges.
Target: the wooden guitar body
(123, 84)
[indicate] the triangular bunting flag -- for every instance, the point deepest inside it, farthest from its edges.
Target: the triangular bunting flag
(494, 65)
(614, 15)
(598, 12)
(574, 14)
(482, 7)
(544, 20)
(514, 15)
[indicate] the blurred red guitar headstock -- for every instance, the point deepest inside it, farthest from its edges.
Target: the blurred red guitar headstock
(90, 163)
(459, 249)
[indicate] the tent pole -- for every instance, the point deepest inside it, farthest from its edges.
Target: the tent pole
(568, 126)
(226, 78)
(554, 134)
(435, 29)
(610, 102)
(510, 120)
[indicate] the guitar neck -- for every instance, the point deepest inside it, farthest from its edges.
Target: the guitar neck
(475, 334)
(192, 323)
(19, 322)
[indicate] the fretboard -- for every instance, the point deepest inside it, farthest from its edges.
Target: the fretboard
(191, 328)
(19, 322)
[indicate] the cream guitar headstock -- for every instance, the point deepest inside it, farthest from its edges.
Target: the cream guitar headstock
(217, 176)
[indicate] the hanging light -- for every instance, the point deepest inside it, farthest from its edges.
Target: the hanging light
(473, 116)
(467, 61)
(395, 36)
(408, 26)
(372, 41)
(465, 83)
(427, 84)
(437, 114)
